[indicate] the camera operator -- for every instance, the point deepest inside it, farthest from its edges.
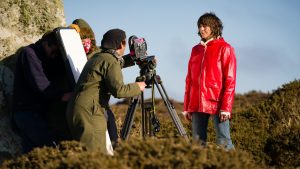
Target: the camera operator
(89, 43)
(38, 68)
(100, 78)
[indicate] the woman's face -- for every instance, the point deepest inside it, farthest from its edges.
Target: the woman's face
(205, 32)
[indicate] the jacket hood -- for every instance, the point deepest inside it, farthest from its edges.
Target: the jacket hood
(86, 32)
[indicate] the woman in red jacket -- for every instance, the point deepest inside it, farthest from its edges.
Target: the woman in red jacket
(210, 82)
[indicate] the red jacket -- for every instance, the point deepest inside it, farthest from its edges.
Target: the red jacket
(210, 81)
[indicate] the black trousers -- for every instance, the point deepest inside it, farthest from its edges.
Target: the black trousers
(112, 128)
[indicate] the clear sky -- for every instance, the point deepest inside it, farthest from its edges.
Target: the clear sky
(265, 35)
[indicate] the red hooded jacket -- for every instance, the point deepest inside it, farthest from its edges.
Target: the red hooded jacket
(211, 77)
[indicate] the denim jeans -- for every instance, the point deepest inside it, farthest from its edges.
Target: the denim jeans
(33, 129)
(199, 129)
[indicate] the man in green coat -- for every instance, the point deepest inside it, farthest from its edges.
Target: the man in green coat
(100, 78)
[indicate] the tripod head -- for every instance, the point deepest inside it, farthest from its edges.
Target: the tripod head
(146, 75)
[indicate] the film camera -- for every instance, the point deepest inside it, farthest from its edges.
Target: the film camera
(138, 53)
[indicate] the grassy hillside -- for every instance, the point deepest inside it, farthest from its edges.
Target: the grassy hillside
(265, 131)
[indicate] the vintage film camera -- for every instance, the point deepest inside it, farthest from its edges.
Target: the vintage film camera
(138, 53)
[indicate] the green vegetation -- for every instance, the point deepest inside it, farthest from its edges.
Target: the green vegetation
(136, 153)
(37, 17)
(270, 130)
(265, 131)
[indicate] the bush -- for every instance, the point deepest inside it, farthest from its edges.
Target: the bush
(270, 130)
(266, 131)
(136, 153)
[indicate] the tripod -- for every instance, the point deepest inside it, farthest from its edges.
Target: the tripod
(150, 123)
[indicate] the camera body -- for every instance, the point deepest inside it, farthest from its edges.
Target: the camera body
(138, 48)
(138, 53)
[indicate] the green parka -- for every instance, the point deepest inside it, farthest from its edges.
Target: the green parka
(100, 78)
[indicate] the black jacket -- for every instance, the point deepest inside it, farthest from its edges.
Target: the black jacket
(34, 84)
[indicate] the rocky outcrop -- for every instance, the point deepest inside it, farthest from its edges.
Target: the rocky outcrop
(21, 22)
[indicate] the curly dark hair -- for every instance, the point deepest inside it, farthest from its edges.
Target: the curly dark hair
(210, 19)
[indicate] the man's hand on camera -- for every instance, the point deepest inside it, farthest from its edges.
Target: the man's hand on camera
(187, 115)
(224, 116)
(142, 85)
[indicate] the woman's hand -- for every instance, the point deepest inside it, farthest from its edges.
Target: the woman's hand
(187, 115)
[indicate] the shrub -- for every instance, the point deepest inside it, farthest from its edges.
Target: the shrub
(136, 153)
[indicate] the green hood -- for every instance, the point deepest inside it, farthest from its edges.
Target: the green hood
(86, 32)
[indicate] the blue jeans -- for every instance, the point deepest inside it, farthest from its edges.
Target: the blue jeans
(199, 129)
(33, 129)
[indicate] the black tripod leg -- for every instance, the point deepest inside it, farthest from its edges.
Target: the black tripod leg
(170, 108)
(144, 117)
(129, 119)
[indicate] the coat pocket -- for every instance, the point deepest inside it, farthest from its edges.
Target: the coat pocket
(97, 110)
(213, 91)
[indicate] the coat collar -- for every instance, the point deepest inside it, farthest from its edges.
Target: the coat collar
(211, 41)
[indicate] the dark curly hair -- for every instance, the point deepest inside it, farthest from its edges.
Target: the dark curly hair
(210, 19)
